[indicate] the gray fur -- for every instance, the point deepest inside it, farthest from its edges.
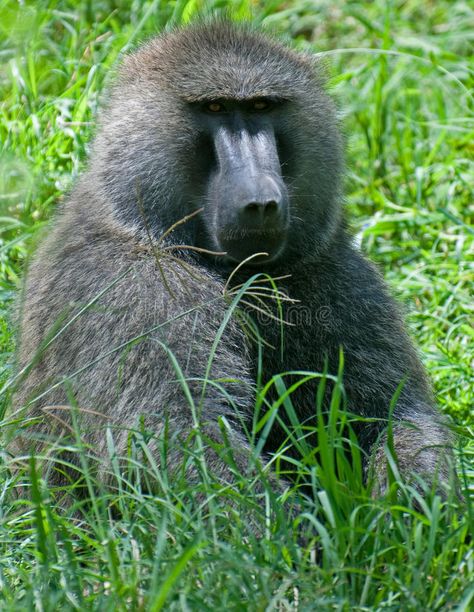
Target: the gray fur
(144, 175)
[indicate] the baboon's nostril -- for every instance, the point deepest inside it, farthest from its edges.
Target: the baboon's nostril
(271, 207)
(253, 207)
(262, 209)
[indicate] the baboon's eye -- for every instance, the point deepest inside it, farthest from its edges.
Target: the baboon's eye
(215, 107)
(262, 104)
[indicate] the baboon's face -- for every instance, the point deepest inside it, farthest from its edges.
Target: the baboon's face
(221, 118)
(247, 204)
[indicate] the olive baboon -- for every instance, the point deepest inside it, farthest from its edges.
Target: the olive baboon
(230, 129)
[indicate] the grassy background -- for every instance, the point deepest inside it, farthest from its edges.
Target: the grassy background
(402, 73)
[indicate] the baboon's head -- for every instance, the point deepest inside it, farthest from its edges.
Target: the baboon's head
(221, 118)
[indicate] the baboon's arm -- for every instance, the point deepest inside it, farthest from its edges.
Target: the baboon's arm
(130, 341)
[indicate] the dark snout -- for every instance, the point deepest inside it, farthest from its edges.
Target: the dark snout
(251, 198)
(259, 202)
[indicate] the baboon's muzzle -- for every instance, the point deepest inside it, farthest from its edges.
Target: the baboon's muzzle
(252, 199)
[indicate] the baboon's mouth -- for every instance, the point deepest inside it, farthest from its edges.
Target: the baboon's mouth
(242, 243)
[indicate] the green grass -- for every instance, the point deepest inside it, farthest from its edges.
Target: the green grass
(402, 73)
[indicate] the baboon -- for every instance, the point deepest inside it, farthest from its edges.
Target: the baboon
(217, 148)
